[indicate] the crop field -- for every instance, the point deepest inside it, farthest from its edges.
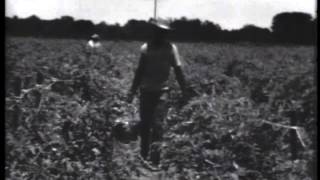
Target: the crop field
(253, 117)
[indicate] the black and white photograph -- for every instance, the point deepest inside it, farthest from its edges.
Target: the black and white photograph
(161, 90)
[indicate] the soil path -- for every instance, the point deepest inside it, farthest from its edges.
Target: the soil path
(127, 155)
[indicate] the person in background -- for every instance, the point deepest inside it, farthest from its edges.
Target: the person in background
(93, 44)
(94, 41)
(93, 50)
(158, 57)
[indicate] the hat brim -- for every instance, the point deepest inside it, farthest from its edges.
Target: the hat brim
(95, 36)
(162, 27)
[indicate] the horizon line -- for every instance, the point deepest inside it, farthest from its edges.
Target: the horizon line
(168, 18)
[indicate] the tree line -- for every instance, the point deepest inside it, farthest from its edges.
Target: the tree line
(286, 27)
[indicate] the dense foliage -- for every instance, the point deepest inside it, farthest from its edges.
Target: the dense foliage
(253, 118)
(296, 27)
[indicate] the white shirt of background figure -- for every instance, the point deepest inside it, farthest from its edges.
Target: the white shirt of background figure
(92, 44)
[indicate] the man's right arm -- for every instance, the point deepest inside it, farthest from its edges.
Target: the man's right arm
(138, 75)
(137, 78)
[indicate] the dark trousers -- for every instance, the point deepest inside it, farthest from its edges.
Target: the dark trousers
(153, 110)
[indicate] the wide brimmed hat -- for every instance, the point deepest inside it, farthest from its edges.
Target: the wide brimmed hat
(161, 24)
(95, 36)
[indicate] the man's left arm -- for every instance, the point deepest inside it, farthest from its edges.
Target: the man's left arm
(177, 65)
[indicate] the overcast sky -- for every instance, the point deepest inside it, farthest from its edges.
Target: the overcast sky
(229, 14)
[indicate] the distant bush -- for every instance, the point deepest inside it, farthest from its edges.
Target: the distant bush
(296, 28)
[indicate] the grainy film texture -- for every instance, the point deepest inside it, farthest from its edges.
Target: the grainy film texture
(228, 96)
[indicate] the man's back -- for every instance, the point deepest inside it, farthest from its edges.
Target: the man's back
(157, 62)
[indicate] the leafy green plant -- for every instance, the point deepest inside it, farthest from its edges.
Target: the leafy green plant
(253, 117)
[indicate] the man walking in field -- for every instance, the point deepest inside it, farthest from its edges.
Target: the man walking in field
(158, 56)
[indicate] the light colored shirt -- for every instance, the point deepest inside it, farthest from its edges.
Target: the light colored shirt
(93, 47)
(157, 64)
(93, 44)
